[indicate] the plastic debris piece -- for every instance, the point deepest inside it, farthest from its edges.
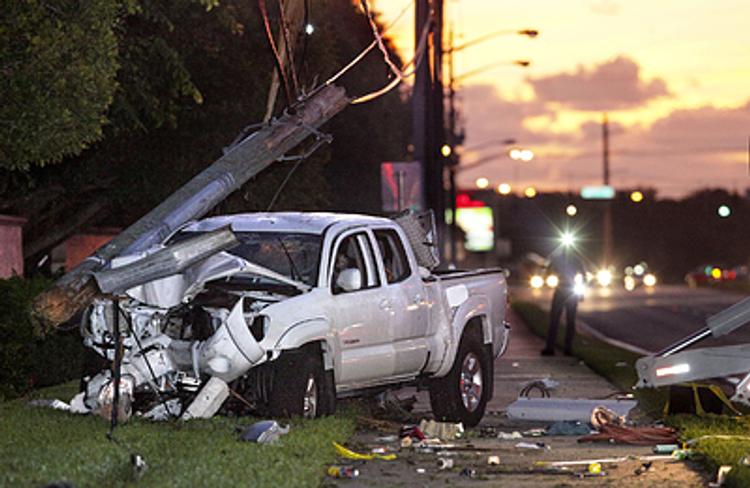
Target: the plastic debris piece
(602, 415)
(444, 463)
(538, 432)
(264, 432)
(139, 465)
(595, 468)
(721, 476)
(412, 431)
(506, 436)
(530, 445)
(469, 472)
(665, 448)
(421, 470)
(406, 442)
(643, 468)
(643, 436)
(493, 460)
(164, 411)
(348, 472)
(514, 364)
(568, 427)
(544, 386)
(54, 404)
(349, 454)
(387, 438)
(442, 430)
(745, 461)
(488, 431)
(208, 401)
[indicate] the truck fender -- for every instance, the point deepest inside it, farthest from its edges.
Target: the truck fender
(475, 307)
(306, 332)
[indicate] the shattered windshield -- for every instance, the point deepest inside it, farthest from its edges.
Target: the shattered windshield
(295, 256)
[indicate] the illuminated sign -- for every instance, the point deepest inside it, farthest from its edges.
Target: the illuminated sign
(478, 224)
(603, 192)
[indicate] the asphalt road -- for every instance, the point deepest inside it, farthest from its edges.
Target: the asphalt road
(650, 319)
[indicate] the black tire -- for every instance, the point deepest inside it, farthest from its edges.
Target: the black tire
(293, 372)
(446, 396)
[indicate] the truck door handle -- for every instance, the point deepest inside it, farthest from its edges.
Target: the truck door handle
(385, 304)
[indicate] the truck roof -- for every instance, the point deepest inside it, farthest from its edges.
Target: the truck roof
(301, 222)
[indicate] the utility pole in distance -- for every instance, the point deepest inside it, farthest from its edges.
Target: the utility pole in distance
(607, 223)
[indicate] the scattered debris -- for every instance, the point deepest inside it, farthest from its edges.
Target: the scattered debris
(349, 454)
(544, 386)
(538, 432)
(412, 431)
(342, 472)
(139, 465)
(614, 460)
(469, 472)
(595, 468)
(421, 470)
(643, 468)
(721, 476)
(488, 431)
(515, 364)
(208, 401)
(602, 416)
(442, 430)
(387, 438)
(264, 432)
(493, 460)
(505, 436)
(568, 427)
(406, 442)
(164, 411)
(665, 448)
(643, 436)
(54, 404)
(553, 409)
(531, 445)
(444, 463)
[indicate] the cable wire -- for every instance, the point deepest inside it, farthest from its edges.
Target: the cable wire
(274, 49)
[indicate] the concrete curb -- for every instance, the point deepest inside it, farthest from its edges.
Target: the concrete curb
(590, 331)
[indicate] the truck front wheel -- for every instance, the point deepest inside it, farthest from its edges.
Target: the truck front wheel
(462, 394)
(301, 387)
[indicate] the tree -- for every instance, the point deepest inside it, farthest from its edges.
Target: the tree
(58, 62)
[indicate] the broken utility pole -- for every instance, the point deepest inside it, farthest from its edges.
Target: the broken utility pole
(75, 290)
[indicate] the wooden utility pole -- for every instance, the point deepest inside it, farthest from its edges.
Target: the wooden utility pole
(607, 223)
(75, 290)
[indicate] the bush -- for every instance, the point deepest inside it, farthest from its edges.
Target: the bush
(29, 357)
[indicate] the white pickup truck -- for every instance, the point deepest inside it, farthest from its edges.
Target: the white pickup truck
(307, 307)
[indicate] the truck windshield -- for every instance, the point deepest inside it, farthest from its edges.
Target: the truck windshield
(294, 255)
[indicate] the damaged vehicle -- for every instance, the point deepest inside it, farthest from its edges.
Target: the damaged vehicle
(288, 312)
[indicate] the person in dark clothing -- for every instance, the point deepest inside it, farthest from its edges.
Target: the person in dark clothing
(569, 269)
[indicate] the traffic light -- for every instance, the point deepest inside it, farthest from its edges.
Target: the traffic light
(636, 196)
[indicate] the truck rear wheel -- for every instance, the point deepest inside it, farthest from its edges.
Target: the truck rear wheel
(462, 394)
(301, 387)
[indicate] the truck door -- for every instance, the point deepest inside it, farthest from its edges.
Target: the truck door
(405, 293)
(358, 313)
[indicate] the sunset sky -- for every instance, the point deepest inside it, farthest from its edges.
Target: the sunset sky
(673, 76)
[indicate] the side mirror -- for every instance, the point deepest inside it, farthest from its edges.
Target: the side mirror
(349, 279)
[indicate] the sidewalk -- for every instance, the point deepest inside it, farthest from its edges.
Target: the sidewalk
(520, 364)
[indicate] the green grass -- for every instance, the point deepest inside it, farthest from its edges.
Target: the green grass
(602, 358)
(39, 445)
(717, 452)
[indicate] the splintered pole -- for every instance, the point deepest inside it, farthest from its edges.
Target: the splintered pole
(75, 290)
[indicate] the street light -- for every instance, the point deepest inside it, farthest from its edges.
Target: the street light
(530, 192)
(571, 210)
(636, 196)
(482, 183)
(504, 189)
(724, 211)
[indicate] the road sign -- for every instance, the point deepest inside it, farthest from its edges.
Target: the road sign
(603, 192)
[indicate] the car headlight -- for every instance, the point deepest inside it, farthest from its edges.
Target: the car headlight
(629, 283)
(552, 281)
(536, 282)
(604, 277)
(649, 280)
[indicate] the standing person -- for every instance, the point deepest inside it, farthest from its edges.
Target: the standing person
(566, 265)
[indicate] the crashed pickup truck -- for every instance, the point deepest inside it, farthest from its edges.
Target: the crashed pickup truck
(288, 312)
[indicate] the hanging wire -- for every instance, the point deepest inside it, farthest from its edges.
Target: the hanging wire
(274, 49)
(288, 46)
(400, 75)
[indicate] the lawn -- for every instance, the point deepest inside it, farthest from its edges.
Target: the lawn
(39, 446)
(604, 359)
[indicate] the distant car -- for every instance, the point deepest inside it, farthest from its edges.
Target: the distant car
(710, 273)
(638, 275)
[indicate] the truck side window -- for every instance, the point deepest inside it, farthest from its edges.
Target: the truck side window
(349, 256)
(394, 256)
